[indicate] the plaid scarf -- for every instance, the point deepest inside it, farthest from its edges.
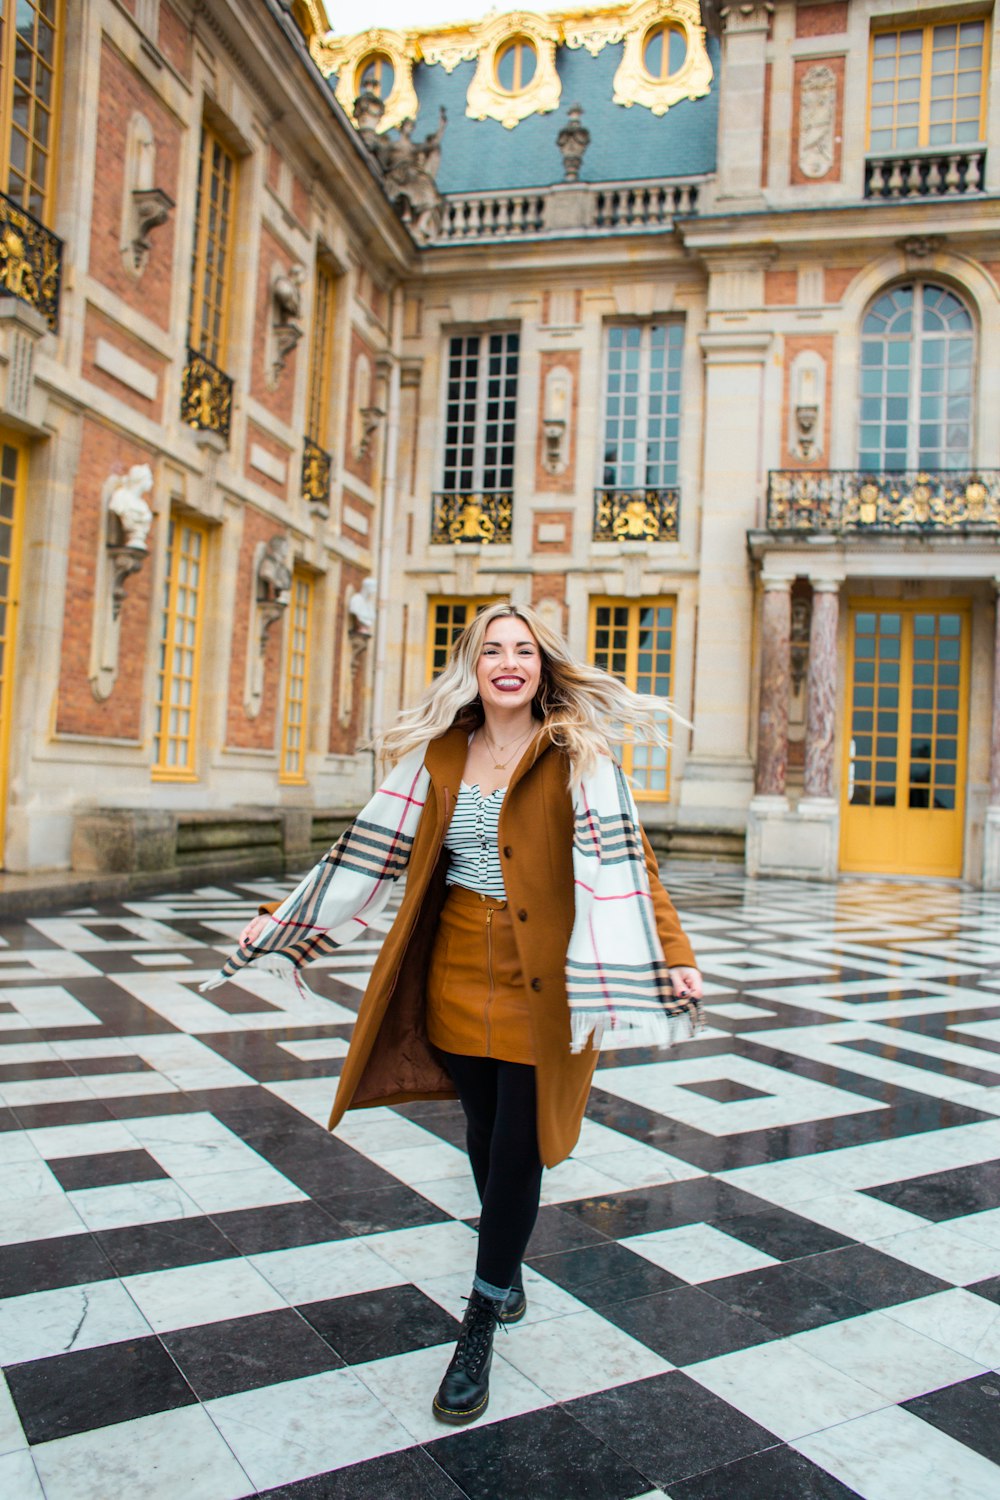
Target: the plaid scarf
(617, 982)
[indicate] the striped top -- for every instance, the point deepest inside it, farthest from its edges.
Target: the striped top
(471, 841)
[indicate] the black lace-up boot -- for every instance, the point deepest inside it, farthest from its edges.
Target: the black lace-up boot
(464, 1392)
(515, 1305)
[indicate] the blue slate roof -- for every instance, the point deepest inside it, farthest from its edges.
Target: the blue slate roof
(625, 144)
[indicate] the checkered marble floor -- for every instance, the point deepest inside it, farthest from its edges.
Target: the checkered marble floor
(771, 1269)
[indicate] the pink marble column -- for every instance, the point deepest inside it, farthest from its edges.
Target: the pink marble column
(821, 703)
(775, 676)
(995, 736)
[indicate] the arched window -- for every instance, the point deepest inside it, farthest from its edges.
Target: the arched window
(664, 50)
(917, 380)
(376, 75)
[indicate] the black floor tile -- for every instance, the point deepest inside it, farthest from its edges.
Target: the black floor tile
(106, 1169)
(95, 1388)
(158, 1247)
(537, 1457)
(282, 1226)
(776, 1474)
(50, 1067)
(687, 1325)
(555, 1231)
(375, 1325)
(242, 1354)
(41, 1265)
(968, 1412)
(408, 1475)
(607, 1272)
(70, 1112)
(989, 1289)
(782, 1234)
(871, 1277)
(725, 1090)
(643, 1210)
(394, 1207)
(945, 1195)
(784, 1299)
(670, 1427)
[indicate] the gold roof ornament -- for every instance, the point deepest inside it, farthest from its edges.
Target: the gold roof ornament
(508, 87)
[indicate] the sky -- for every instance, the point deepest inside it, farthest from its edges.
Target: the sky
(348, 19)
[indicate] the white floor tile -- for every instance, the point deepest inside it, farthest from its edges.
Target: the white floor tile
(18, 1477)
(55, 1141)
(11, 1432)
(895, 1360)
(941, 1252)
(190, 1295)
(429, 1247)
(225, 1192)
(66, 1318)
(893, 1455)
(405, 1385)
(287, 1432)
(126, 1203)
(163, 1457)
(984, 1227)
(785, 1389)
(959, 1319)
(337, 1268)
(698, 1252)
(50, 1217)
(312, 1097)
(578, 1355)
(453, 1195)
(861, 1218)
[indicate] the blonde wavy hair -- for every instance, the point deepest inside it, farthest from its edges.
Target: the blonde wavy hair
(585, 709)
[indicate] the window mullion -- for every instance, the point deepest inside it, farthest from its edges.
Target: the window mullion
(916, 379)
(642, 424)
(926, 64)
(200, 244)
(479, 437)
(7, 45)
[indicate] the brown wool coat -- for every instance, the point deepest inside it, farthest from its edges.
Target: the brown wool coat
(390, 1059)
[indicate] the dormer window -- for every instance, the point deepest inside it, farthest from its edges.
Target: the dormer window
(515, 65)
(375, 75)
(663, 51)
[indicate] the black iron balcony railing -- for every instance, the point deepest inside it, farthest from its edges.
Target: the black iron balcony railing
(904, 500)
(646, 515)
(926, 174)
(30, 261)
(480, 516)
(206, 395)
(317, 471)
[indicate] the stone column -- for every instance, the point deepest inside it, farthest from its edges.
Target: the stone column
(743, 104)
(775, 675)
(991, 830)
(821, 705)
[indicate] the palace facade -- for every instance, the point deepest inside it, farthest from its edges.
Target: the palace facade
(681, 327)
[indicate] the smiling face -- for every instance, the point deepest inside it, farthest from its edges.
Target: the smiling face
(510, 665)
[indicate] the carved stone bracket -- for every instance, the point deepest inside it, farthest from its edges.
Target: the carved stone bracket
(151, 208)
(286, 310)
(272, 575)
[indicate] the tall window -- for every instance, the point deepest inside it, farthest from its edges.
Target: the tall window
(321, 354)
(294, 719)
(446, 619)
(213, 232)
(480, 411)
(634, 640)
(917, 377)
(29, 54)
(642, 406)
(927, 86)
(180, 647)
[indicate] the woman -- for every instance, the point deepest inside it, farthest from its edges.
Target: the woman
(533, 930)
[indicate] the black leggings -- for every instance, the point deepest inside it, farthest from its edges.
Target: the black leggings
(499, 1103)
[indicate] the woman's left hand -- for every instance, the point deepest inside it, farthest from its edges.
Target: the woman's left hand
(686, 982)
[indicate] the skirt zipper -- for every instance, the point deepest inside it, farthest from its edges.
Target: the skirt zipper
(489, 976)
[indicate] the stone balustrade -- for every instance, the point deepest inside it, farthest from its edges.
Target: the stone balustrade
(567, 208)
(926, 174)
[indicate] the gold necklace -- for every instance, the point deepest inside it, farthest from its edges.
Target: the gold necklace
(501, 765)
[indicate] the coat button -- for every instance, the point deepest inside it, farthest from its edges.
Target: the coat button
(507, 851)
(536, 984)
(522, 915)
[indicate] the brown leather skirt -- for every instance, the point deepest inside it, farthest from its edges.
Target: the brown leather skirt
(477, 1002)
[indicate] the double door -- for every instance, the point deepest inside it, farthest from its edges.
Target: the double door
(906, 746)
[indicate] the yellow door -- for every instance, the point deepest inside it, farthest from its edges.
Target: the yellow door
(13, 465)
(907, 707)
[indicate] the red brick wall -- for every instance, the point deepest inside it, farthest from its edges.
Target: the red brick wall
(344, 737)
(361, 468)
(122, 93)
(564, 483)
(175, 39)
(280, 400)
(802, 66)
(796, 344)
(781, 288)
(103, 452)
(829, 18)
(836, 280)
(273, 168)
(97, 326)
(301, 201)
(277, 450)
(259, 733)
(765, 144)
(550, 586)
(354, 502)
(547, 517)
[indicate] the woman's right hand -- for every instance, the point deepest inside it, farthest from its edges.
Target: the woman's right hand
(253, 929)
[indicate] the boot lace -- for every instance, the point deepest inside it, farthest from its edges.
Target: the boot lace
(476, 1334)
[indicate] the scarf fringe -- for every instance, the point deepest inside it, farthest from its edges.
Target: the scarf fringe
(275, 964)
(614, 1030)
